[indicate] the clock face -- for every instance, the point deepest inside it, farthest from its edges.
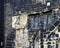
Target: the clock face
(19, 21)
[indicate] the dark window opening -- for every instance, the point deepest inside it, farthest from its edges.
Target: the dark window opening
(50, 46)
(59, 28)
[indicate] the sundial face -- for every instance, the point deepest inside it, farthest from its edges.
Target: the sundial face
(23, 20)
(15, 21)
(19, 21)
